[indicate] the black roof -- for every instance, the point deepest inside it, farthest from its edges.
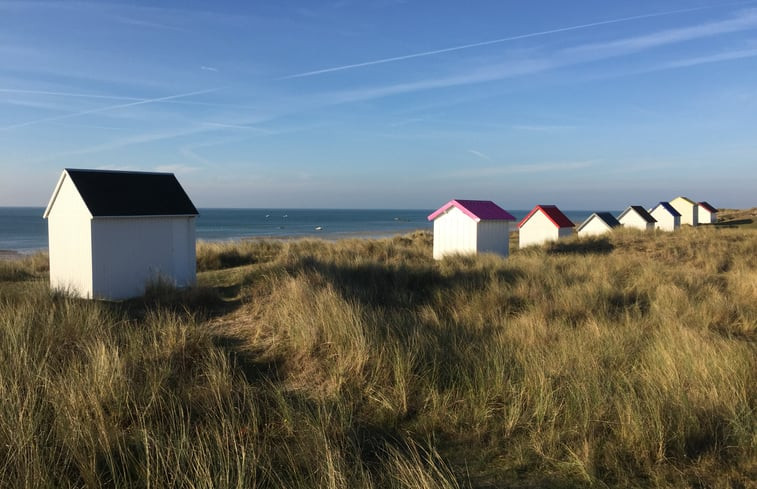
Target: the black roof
(131, 193)
(643, 213)
(608, 218)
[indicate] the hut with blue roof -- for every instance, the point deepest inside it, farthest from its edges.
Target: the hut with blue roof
(668, 219)
(597, 223)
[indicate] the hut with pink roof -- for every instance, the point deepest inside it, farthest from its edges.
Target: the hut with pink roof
(470, 227)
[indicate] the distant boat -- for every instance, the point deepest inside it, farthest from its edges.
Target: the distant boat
(319, 228)
(285, 216)
(267, 216)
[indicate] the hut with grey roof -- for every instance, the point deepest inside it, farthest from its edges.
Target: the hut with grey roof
(112, 232)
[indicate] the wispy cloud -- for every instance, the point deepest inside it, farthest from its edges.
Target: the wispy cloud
(123, 97)
(106, 109)
(713, 58)
(127, 141)
(586, 53)
(178, 168)
(479, 154)
(491, 42)
(209, 68)
(519, 169)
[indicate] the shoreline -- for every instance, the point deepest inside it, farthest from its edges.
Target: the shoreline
(14, 255)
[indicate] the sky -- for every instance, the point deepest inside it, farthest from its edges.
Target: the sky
(386, 103)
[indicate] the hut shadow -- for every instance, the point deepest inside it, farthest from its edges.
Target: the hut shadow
(255, 365)
(586, 246)
(399, 286)
(734, 223)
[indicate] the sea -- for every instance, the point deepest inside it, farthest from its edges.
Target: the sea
(23, 230)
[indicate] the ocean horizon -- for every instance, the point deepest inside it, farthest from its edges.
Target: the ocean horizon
(23, 230)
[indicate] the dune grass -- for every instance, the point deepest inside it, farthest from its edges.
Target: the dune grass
(625, 361)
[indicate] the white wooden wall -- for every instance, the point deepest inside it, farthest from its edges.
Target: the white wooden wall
(70, 242)
(537, 230)
(454, 232)
(706, 217)
(633, 220)
(665, 220)
(688, 211)
(494, 237)
(129, 252)
(594, 227)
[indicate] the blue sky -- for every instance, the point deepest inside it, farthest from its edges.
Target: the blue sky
(386, 103)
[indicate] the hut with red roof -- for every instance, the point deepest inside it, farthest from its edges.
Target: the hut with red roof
(470, 227)
(544, 223)
(706, 214)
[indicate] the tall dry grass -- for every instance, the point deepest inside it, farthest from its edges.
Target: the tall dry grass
(622, 361)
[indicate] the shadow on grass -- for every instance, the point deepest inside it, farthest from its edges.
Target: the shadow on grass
(734, 224)
(587, 246)
(380, 285)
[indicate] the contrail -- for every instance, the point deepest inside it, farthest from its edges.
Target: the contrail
(504, 39)
(105, 109)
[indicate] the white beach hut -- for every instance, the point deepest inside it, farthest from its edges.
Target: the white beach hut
(668, 219)
(636, 216)
(688, 210)
(469, 227)
(544, 223)
(706, 214)
(597, 223)
(111, 232)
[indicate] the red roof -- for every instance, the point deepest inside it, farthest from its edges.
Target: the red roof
(553, 213)
(478, 210)
(707, 207)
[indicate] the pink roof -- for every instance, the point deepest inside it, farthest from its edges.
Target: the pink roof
(478, 210)
(708, 207)
(553, 213)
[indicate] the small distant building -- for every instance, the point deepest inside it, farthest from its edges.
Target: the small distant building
(112, 232)
(707, 214)
(668, 219)
(469, 227)
(544, 223)
(596, 224)
(688, 210)
(636, 216)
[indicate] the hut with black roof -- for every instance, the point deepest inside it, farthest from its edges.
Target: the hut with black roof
(112, 232)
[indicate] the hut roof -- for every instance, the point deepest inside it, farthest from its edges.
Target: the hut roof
(668, 207)
(478, 210)
(108, 193)
(605, 217)
(642, 212)
(553, 213)
(707, 207)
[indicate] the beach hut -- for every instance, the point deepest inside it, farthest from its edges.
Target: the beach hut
(687, 208)
(544, 223)
(668, 219)
(636, 216)
(706, 214)
(112, 232)
(469, 227)
(597, 223)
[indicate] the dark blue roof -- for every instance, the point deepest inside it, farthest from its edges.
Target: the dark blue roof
(670, 208)
(608, 218)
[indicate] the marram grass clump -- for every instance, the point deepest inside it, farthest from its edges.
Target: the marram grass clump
(625, 361)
